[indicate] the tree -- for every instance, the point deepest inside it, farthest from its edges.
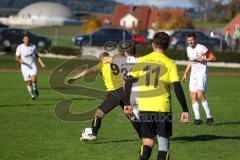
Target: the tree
(233, 9)
(91, 25)
(206, 5)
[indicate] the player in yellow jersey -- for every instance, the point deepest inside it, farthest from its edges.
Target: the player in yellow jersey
(115, 93)
(156, 74)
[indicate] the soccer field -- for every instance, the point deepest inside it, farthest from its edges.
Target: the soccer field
(30, 129)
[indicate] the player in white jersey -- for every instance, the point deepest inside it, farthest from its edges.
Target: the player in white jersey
(125, 64)
(198, 56)
(26, 55)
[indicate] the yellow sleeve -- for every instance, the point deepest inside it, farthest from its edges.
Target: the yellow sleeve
(135, 70)
(173, 73)
(98, 67)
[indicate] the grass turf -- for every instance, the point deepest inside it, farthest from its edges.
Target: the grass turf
(30, 129)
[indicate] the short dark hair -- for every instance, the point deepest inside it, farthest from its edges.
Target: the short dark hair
(191, 34)
(104, 54)
(26, 35)
(131, 51)
(161, 40)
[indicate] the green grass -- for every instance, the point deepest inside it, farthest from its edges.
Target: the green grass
(60, 35)
(30, 129)
(209, 25)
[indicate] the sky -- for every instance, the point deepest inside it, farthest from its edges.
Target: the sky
(160, 3)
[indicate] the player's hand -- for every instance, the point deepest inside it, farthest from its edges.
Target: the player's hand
(184, 78)
(128, 110)
(199, 59)
(21, 61)
(71, 81)
(185, 117)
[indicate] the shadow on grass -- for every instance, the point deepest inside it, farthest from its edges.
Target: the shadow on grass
(60, 99)
(20, 105)
(227, 123)
(207, 137)
(116, 141)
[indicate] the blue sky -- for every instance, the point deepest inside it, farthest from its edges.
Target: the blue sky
(160, 3)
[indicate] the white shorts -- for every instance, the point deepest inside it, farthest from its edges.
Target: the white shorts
(198, 83)
(28, 71)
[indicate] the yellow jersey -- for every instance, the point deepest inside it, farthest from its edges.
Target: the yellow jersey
(111, 75)
(155, 73)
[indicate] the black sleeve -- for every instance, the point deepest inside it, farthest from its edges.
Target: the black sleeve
(128, 88)
(180, 95)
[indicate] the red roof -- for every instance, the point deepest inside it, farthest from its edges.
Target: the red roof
(144, 14)
(231, 24)
(157, 14)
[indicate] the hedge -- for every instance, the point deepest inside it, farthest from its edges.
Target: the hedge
(233, 57)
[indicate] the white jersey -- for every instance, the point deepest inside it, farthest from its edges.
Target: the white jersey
(198, 68)
(28, 56)
(125, 65)
(27, 53)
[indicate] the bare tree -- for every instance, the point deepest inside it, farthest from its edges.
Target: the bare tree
(206, 5)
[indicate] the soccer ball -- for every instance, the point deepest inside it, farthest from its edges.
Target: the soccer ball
(87, 132)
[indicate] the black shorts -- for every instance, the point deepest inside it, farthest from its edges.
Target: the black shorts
(112, 100)
(156, 123)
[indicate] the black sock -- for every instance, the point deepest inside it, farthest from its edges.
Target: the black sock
(163, 155)
(96, 124)
(145, 153)
(136, 126)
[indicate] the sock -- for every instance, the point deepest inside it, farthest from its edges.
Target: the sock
(30, 90)
(136, 126)
(196, 110)
(207, 109)
(145, 152)
(96, 124)
(34, 84)
(163, 155)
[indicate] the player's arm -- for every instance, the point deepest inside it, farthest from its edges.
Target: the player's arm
(18, 56)
(18, 59)
(182, 100)
(174, 80)
(83, 73)
(40, 61)
(209, 57)
(128, 89)
(188, 67)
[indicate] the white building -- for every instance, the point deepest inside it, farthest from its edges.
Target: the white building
(40, 14)
(129, 21)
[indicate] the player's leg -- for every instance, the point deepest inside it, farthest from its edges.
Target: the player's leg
(107, 106)
(163, 148)
(27, 79)
(30, 89)
(164, 131)
(146, 148)
(201, 90)
(34, 79)
(148, 133)
(134, 121)
(193, 97)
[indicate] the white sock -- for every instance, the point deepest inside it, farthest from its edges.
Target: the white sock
(207, 109)
(196, 110)
(34, 84)
(30, 90)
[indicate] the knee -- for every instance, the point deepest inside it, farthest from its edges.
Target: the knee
(200, 96)
(99, 114)
(193, 97)
(29, 83)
